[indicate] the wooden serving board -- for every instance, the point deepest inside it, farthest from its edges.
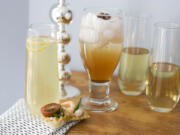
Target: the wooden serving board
(133, 116)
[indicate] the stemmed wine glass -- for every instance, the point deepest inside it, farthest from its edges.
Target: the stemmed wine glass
(101, 43)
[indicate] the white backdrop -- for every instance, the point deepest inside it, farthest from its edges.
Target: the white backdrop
(161, 10)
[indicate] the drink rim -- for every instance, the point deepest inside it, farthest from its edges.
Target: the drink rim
(167, 25)
(42, 26)
(138, 16)
(113, 11)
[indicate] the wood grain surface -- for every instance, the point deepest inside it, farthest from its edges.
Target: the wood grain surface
(133, 116)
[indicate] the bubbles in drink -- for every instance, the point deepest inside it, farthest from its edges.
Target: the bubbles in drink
(133, 70)
(41, 72)
(163, 88)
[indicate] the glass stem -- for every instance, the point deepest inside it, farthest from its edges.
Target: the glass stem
(98, 99)
(99, 91)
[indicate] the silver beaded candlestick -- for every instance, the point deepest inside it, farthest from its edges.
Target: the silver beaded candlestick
(62, 16)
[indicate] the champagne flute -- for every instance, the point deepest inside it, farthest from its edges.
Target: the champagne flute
(132, 75)
(163, 89)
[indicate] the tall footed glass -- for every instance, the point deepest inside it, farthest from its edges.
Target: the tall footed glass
(101, 43)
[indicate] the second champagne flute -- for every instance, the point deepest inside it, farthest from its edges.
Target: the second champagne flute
(134, 60)
(163, 89)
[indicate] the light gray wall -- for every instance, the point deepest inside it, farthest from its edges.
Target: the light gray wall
(13, 25)
(161, 10)
(38, 14)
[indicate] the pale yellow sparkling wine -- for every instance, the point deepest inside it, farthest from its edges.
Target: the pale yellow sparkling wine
(163, 89)
(133, 69)
(41, 73)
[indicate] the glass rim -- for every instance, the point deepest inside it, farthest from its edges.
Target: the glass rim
(138, 16)
(42, 26)
(112, 11)
(167, 25)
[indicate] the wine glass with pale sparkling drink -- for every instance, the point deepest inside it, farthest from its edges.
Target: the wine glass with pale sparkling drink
(101, 43)
(163, 89)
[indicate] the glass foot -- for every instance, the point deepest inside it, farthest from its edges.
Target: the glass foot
(163, 110)
(71, 92)
(95, 105)
(131, 93)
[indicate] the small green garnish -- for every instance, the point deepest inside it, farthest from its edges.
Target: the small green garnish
(61, 113)
(56, 115)
(77, 106)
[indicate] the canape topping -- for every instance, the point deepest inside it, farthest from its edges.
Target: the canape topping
(79, 112)
(60, 113)
(54, 110)
(50, 109)
(67, 112)
(68, 105)
(77, 106)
